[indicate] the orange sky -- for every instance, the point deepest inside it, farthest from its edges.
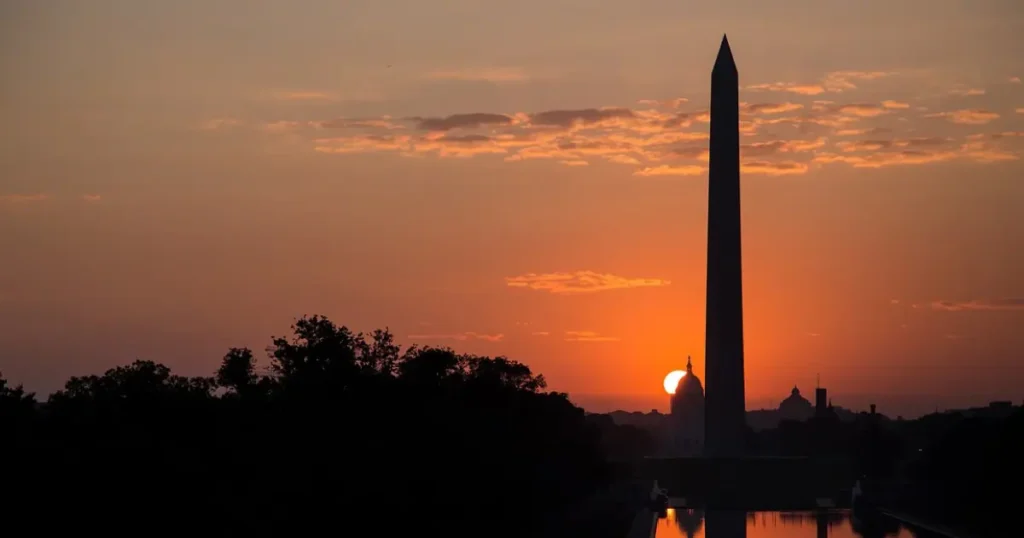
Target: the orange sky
(524, 179)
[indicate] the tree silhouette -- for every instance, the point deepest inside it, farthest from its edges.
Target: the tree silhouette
(237, 370)
(14, 396)
(319, 356)
(16, 407)
(380, 354)
(343, 426)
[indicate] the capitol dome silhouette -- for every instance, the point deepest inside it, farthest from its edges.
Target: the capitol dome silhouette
(795, 407)
(688, 391)
(686, 435)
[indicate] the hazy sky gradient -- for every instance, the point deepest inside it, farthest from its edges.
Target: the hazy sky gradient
(180, 177)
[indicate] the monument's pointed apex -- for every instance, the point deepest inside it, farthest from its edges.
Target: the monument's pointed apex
(724, 59)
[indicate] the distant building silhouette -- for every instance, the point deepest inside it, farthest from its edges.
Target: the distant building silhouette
(686, 421)
(820, 401)
(725, 421)
(795, 407)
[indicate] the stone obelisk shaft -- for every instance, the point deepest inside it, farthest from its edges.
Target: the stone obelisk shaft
(725, 413)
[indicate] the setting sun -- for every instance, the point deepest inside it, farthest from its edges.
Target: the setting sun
(672, 380)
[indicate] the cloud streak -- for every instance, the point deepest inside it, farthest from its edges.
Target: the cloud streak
(967, 92)
(834, 82)
(1009, 303)
(966, 116)
(219, 124)
(487, 74)
(463, 121)
(786, 168)
(304, 95)
(666, 170)
(588, 336)
(667, 138)
(580, 282)
(461, 337)
(23, 198)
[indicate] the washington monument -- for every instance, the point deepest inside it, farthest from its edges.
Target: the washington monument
(725, 410)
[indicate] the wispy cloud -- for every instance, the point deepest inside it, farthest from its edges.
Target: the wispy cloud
(463, 121)
(966, 116)
(879, 144)
(839, 81)
(304, 95)
(915, 157)
(384, 122)
(791, 87)
(1014, 80)
(622, 159)
(580, 282)
(486, 74)
(583, 118)
(666, 170)
(667, 103)
(967, 92)
(883, 152)
(666, 137)
(462, 337)
(1009, 303)
(588, 336)
(23, 198)
(769, 108)
(834, 82)
(774, 168)
(91, 197)
(861, 132)
(863, 110)
(217, 124)
(541, 333)
(895, 105)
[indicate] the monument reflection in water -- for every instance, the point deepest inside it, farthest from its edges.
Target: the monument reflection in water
(683, 523)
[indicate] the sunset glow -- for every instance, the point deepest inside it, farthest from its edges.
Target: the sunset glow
(672, 380)
(535, 186)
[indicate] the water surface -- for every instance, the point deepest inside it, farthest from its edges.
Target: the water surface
(683, 523)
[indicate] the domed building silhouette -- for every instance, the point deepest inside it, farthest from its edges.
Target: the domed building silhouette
(796, 407)
(686, 420)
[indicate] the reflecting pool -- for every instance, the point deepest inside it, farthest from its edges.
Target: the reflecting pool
(683, 523)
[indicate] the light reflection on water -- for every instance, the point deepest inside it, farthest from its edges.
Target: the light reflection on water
(683, 523)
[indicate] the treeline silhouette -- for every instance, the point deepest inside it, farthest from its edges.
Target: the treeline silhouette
(868, 444)
(961, 469)
(966, 471)
(343, 432)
